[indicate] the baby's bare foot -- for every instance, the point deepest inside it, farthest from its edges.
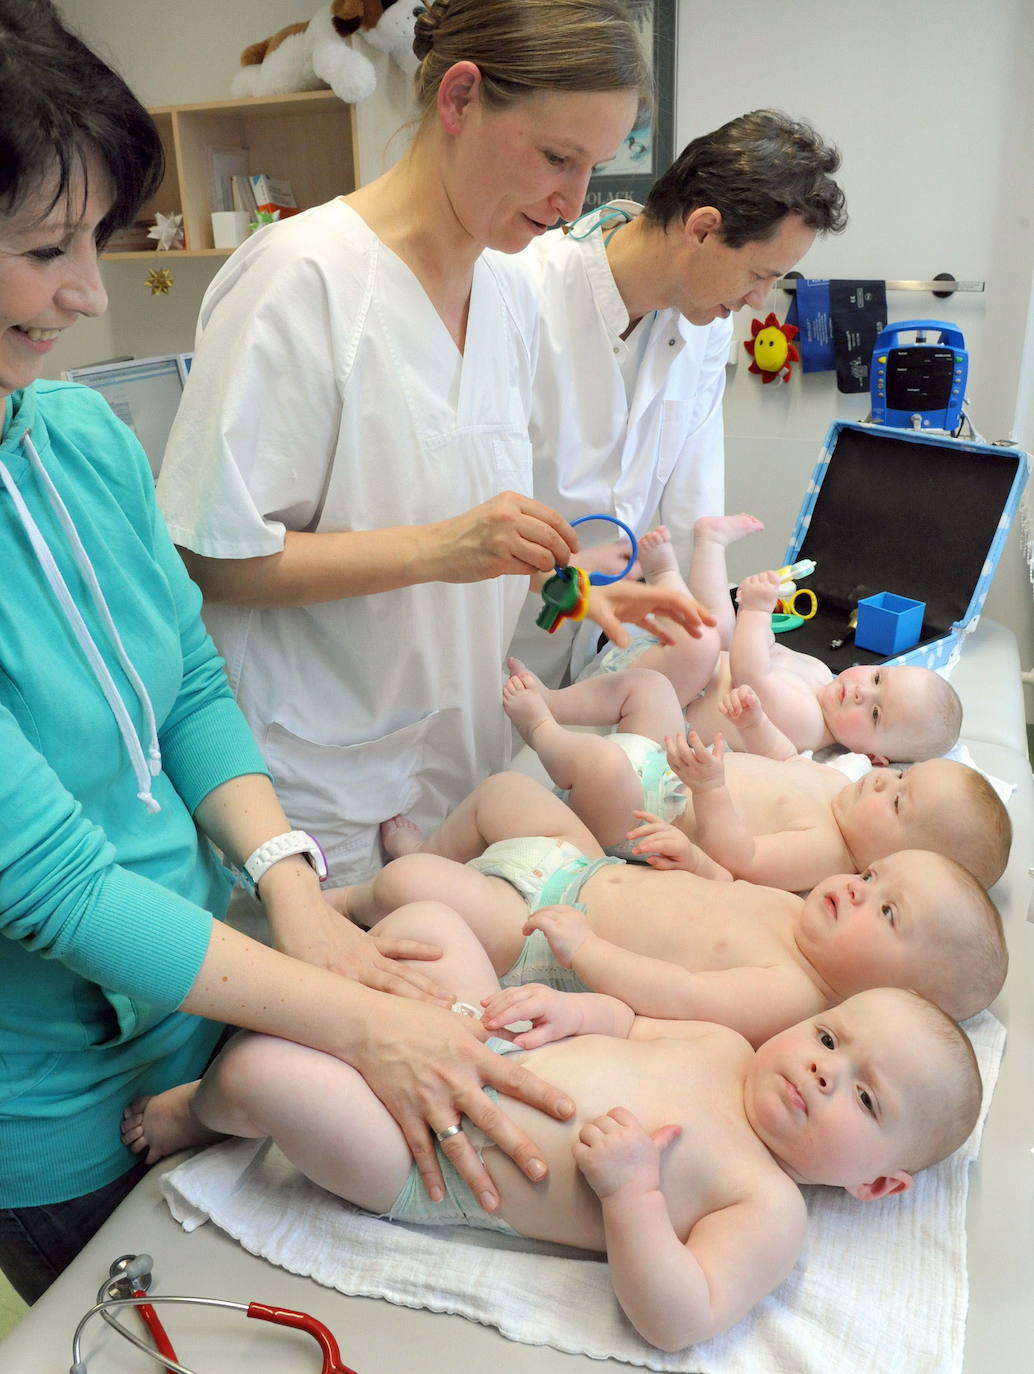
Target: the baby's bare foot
(524, 703)
(400, 836)
(164, 1123)
(726, 529)
(656, 555)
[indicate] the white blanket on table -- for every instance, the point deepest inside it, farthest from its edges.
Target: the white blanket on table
(880, 1286)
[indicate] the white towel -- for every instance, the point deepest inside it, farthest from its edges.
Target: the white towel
(880, 1286)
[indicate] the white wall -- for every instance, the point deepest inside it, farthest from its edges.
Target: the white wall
(929, 102)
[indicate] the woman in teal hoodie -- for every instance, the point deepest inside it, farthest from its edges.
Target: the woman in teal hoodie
(124, 761)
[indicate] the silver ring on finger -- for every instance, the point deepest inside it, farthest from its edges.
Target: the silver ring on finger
(448, 1133)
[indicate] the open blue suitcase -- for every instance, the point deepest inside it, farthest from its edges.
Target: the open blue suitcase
(916, 514)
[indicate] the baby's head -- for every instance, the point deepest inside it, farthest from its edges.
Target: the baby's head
(898, 714)
(866, 1094)
(912, 920)
(939, 805)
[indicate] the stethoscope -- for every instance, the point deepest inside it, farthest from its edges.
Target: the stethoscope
(128, 1280)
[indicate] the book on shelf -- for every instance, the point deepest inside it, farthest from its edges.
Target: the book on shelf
(273, 194)
(243, 197)
(223, 165)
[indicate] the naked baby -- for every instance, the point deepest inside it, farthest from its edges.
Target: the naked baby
(894, 713)
(683, 1161)
(673, 944)
(786, 821)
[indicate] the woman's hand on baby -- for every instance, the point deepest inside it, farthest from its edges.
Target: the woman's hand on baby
(661, 845)
(637, 603)
(700, 768)
(327, 941)
(429, 1068)
(508, 534)
(759, 592)
(566, 929)
(617, 1156)
(554, 1014)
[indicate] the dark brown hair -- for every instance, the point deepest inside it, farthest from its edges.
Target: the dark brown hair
(60, 104)
(755, 170)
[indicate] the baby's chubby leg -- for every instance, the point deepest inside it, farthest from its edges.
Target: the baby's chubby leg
(689, 662)
(708, 571)
(503, 807)
(464, 965)
(604, 788)
(492, 908)
(637, 701)
(319, 1110)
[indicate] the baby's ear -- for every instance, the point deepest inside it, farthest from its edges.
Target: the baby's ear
(884, 1186)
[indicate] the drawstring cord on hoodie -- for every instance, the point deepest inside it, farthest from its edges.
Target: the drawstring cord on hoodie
(144, 768)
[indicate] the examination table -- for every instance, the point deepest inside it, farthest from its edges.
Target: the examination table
(377, 1337)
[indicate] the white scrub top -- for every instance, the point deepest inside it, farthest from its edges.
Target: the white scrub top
(327, 394)
(632, 428)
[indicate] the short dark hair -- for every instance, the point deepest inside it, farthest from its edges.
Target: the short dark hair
(60, 104)
(755, 170)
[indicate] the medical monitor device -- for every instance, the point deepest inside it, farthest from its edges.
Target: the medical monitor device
(919, 384)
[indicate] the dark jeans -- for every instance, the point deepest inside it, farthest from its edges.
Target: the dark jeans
(37, 1243)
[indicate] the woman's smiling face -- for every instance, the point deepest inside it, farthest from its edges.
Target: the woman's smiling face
(48, 272)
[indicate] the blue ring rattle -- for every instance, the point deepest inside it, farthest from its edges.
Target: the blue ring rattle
(598, 579)
(566, 594)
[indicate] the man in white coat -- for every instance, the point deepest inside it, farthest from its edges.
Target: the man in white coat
(635, 308)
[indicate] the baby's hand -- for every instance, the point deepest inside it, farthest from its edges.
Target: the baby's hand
(616, 1155)
(694, 764)
(759, 592)
(660, 844)
(742, 708)
(554, 1015)
(566, 929)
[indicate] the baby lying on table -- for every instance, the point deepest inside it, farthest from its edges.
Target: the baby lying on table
(672, 944)
(896, 713)
(690, 1185)
(780, 820)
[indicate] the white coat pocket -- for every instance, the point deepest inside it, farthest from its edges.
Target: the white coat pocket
(341, 792)
(675, 421)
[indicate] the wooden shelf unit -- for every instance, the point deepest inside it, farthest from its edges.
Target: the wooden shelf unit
(309, 139)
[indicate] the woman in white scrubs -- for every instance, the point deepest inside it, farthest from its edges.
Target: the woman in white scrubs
(349, 473)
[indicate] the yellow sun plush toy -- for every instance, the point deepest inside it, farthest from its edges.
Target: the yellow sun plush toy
(771, 348)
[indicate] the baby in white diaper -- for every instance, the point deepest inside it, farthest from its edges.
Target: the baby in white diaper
(690, 1185)
(784, 822)
(892, 713)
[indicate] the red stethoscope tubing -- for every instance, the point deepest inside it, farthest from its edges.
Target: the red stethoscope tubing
(279, 1316)
(302, 1321)
(154, 1325)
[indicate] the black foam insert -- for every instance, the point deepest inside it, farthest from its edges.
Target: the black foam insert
(913, 516)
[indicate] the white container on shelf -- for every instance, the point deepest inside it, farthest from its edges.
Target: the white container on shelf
(230, 228)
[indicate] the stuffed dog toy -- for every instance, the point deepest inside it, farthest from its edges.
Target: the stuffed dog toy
(308, 57)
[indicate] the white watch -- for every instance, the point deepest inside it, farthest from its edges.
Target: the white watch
(281, 847)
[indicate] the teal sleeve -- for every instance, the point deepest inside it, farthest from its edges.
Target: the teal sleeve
(204, 739)
(63, 895)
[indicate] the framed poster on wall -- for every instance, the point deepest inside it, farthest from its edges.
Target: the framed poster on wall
(649, 148)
